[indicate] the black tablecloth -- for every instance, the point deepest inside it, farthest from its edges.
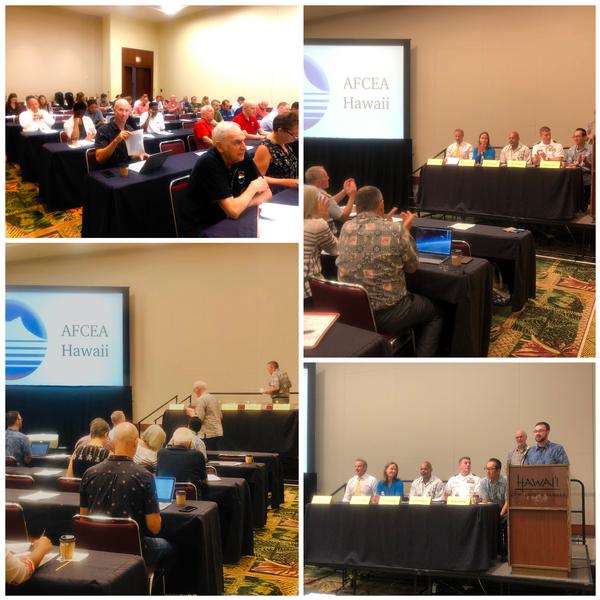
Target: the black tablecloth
(51, 461)
(513, 252)
(246, 226)
(288, 197)
(437, 538)
(101, 573)
(197, 536)
(30, 149)
(468, 291)
(12, 131)
(345, 340)
(534, 193)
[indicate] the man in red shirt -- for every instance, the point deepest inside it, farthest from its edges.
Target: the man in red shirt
(204, 127)
(248, 122)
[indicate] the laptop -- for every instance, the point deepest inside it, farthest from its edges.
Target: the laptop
(165, 486)
(152, 163)
(434, 244)
(39, 448)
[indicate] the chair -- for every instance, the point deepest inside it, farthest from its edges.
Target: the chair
(175, 146)
(177, 189)
(19, 482)
(69, 484)
(465, 247)
(16, 527)
(188, 125)
(191, 140)
(170, 117)
(191, 493)
(90, 160)
(211, 470)
(10, 461)
(64, 138)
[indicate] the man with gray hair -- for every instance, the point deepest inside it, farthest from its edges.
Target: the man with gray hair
(203, 129)
(267, 123)
(208, 408)
(223, 184)
(375, 252)
(116, 418)
(517, 454)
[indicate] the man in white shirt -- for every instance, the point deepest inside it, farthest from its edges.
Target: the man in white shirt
(546, 148)
(515, 150)
(427, 484)
(459, 149)
(34, 119)
(465, 483)
(362, 484)
(152, 121)
(267, 123)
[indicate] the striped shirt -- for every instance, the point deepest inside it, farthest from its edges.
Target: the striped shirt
(317, 238)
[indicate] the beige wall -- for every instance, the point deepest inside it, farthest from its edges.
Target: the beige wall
(438, 412)
(253, 51)
(202, 311)
(492, 68)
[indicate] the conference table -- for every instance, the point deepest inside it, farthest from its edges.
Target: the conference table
(198, 568)
(100, 573)
(401, 538)
(531, 193)
(513, 252)
(343, 340)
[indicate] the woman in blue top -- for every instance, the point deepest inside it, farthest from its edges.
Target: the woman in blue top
(390, 485)
(484, 150)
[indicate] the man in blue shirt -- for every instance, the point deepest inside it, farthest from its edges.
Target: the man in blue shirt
(545, 452)
(17, 443)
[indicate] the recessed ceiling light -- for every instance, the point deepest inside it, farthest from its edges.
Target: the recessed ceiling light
(171, 9)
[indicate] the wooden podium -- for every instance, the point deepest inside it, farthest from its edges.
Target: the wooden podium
(539, 523)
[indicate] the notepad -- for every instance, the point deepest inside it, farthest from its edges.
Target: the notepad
(48, 472)
(462, 226)
(77, 556)
(225, 463)
(212, 477)
(38, 496)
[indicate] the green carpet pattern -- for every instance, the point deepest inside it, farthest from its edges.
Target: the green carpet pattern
(558, 323)
(273, 570)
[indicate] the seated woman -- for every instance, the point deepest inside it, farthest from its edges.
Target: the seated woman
(390, 485)
(44, 104)
(69, 100)
(274, 159)
(59, 101)
(152, 440)
(20, 568)
(91, 453)
(204, 127)
(317, 237)
(94, 113)
(79, 127)
(484, 150)
(12, 105)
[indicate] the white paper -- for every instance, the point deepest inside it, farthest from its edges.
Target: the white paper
(278, 221)
(200, 153)
(462, 226)
(314, 326)
(135, 142)
(81, 144)
(166, 133)
(225, 463)
(148, 136)
(18, 547)
(48, 472)
(50, 556)
(77, 556)
(38, 496)
(137, 166)
(212, 477)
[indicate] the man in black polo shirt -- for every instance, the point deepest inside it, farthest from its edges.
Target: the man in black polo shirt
(111, 150)
(224, 182)
(118, 487)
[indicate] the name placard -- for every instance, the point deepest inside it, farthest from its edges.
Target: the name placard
(254, 406)
(490, 163)
(458, 500)
(421, 500)
(281, 407)
(452, 160)
(390, 500)
(550, 164)
(435, 162)
(176, 406)
(466, 162)
(229, 406)
(321, 500)
(361, 500)
(517, 164)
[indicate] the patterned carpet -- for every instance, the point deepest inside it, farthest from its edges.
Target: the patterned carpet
(273, 570)
(560, 322)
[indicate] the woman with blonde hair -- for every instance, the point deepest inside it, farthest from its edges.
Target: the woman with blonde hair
(152, 440)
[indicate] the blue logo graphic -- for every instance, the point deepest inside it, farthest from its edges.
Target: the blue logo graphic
(26, 340)
(316, 93)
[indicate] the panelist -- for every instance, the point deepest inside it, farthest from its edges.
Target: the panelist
(203, 129)
(390, 485)
(279, 384)
(362, 484)
(464, 483)
(79, 126)
(208, 408)
(516, 455)
(580, 155)
(546, 148)
(376, 252)
(152, 121)
(248, 122)
(484, 150)
(35, 119)
(111, 150)
(17, 444)
(514, 150)
(427, 484)
(545, 452)
(459, 149)
(492, 489)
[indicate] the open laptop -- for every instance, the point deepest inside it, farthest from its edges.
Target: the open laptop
(39, 448)
(153, 162)
(165, 486)
(434, 244)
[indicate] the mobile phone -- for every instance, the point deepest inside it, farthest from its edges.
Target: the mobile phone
(465, 260)
(187, 509)
(107, 174)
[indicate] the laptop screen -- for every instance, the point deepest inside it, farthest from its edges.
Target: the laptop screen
(164, 488)
(434, 240)
(39, 448)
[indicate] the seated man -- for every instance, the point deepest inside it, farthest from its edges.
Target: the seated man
(261, 109)
(195, 426)
(376, 252)
(20, 568)
(94, 113)
(459, 149)
(118, 487)
(580, 155)
(141, 105)
(17, 443)
(216, 106)
(427, 484)
(514, 150)
(492, 488)
(267, 122)
(172, 106)
(203, 128)
(111, 150)
(546, 148)
(226, 111)
(152, 121)
(181, 461)
(79, 126)
(223, 184)
(35, 119)
(465, 483)
(248, 122)
(362, 484)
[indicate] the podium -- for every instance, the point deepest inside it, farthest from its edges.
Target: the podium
(539, 524)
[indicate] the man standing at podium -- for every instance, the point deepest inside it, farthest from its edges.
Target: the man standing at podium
(545, 452)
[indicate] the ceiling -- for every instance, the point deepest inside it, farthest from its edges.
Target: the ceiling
(17, 251)
(144, 13)
(315, 13)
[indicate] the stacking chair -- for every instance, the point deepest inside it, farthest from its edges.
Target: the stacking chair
(462, 245)
(69, 484)
(191, 493)
(64, 138)
(175, 146)
(16, 528)
(10, 461)
(177, 188)
(211, 470)
(90, 160)
(19, 482)
(191, 140)
(188, 125)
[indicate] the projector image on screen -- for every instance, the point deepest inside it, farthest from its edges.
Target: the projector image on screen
(63, 336)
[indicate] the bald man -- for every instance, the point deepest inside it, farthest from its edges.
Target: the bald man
(427, 484)
(118, 487)
(249, 123)
(514, 150)
(517, 454)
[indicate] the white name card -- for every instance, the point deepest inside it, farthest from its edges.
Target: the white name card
(452, 160)
(254, 406)
(466, 162)
(281, 407)
(361, 500)
(517, 164)
(550, 164)
(321, 500)
(421, 500)
(176, 406)
(390, 500)
(491, 163)
(458, 500)
(435, 162)
(229, 406)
